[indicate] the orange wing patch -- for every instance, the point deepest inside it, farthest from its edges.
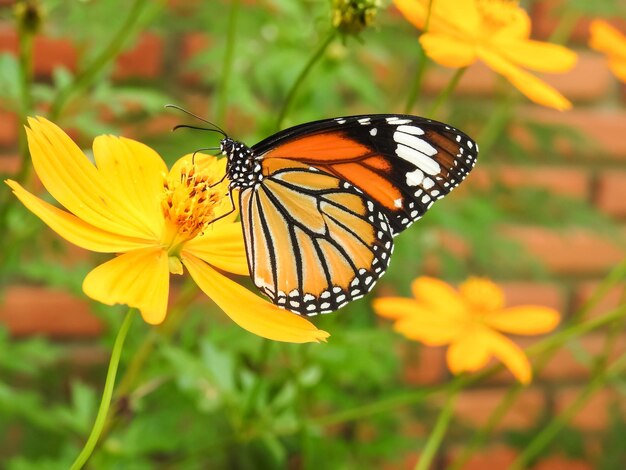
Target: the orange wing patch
(320, 148)
(374, 185)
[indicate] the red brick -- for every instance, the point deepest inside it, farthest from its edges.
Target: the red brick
(571, 182)
(193, 44)
(10, 164)
(475, 407)
(604, 129)
(547, 14)
(8, 129)
(573, 252)
(533, 293)
(144, 60)
(611, 300)
(423, 365)
(593, 415)
(48, 52)
(558, 462)
(30, 310)
(611, 192)
(497, 457)
(590, 79)
(8, 38)
(564, 365)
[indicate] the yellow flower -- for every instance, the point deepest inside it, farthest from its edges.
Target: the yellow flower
(469, 321)
(157, 221)
(497, 32)
(605, 38)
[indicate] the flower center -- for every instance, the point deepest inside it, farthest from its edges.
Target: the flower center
(188, 204)
(498, 13)
(482, 296)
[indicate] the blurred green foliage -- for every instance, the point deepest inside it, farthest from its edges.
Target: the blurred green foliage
(212, 395)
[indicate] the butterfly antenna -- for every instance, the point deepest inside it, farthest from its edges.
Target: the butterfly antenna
(216, 128)
(193, 156)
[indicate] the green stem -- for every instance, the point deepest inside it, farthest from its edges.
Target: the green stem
(552, 429)
(498, 120)
(447, 91)
(436, 436)
(26, 100)
(107, 393)
(422, 62)
(564, 28)
(227, 65)
(86, 77)
(319, 52)
(165, 330)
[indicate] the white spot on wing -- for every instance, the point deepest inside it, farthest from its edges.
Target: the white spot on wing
(410, 130)
(415, 142)
(415, 177)
(418, 159)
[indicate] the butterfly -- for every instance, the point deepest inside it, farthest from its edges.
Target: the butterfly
(321, 202)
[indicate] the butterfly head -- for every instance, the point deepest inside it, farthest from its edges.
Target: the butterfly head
(242, 169)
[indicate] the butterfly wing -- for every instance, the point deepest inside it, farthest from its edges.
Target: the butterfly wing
(314, 242)
(402, 163)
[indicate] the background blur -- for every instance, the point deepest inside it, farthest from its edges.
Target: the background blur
(543, 214)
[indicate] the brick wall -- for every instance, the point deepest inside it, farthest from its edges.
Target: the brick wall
(576, 260)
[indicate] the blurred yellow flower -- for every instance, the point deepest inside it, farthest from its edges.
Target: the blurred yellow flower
(469, 321)
(605, 38)
(497, 32)
(157, 221)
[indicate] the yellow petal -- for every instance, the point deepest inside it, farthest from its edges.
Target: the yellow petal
(511, 21)
(250, 311)
(618, 67)
(451, 17)
(509, 354)
(447, 50)
(73, 181)
(417, 323)
(222, 246)
(469, 353)
(395, 308)
(525, 320)
(135, 173)
(606, 38)
(535, 89)
(539, 56)
(429, 329)
(139, 279)
(439, 298)
(74, 229)
(413, 10)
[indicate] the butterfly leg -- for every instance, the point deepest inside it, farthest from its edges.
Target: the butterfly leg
(232, 207)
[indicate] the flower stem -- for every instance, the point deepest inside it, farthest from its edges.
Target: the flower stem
(227, 65)
(26, 101)
(107, 393)
(317, 54)
(498, 120)
(552, 429)
(436, 436)
(447, 91)
(86, 77)
(165, 330)
(422, 62)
